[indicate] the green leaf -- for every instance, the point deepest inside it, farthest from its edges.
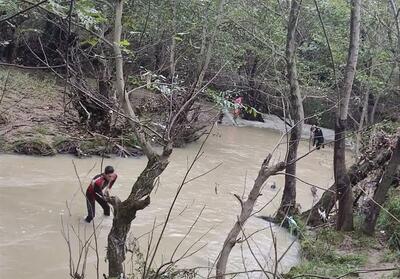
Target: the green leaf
(124, 43)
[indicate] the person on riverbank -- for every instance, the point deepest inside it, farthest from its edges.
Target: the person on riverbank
(98, 190)
(318, 137)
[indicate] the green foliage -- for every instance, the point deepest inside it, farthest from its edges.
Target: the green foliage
(131, 140)
(320, 255)
(390, 256)
(89, 145)
(386, 222)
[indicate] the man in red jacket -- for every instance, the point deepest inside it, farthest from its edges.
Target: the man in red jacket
(99, 188)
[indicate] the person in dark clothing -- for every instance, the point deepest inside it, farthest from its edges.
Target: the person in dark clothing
(318, 137)
(97, 191)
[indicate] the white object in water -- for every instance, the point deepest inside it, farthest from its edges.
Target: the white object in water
(292, 222)
(322, 214)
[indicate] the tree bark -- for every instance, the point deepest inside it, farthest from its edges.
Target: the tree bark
(173, 41)
(288, 203)
(125, 212)
(343, 188)
(363, 118)
(381, 192)
(247, 208)
(396, 17)
(373, 112)
(199, 81)
(356, 173)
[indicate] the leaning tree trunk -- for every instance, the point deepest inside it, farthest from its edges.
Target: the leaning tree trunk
(373, 206)
(247, 208)
(343, 187)
(288, 203)
(356, 173)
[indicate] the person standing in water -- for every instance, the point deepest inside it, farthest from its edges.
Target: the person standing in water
(318, 137)
(238, 106)
(98, 189)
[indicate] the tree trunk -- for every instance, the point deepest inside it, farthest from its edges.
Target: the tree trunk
(247, 208)
(288, 203)
(396, 17)
(356, 173)
(199, 81)
(125, 212)
(343, 188)
(363, 118)
(325, 204)
(373, 112)
(381, 192)
(173, 42)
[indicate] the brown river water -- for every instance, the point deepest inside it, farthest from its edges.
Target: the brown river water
(34, 193)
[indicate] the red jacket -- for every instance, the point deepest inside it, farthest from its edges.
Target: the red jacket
(98, 184)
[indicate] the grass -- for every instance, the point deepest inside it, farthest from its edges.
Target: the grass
(394, 275)
(390, 256)
(43, 130)
(24, 81)
(321, 255)
(386, 222)
(33, 146)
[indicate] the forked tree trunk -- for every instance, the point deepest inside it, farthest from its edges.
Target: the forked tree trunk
(247, 208)
(125, 212)
(380, 194)
(288, 203)
(343, 187)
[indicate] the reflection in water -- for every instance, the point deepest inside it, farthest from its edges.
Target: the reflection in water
(34, 192)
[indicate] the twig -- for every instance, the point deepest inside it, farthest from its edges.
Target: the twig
(252, 253)
(23, 11)
(176, 197)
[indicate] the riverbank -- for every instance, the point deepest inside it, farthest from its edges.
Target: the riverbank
(275, 123)
(35, 121)
(327, 253)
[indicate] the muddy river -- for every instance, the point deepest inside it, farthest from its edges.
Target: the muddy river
(36, 193)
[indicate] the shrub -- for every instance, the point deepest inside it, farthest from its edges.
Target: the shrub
(387, 223)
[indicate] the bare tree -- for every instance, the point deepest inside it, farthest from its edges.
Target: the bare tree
(246, 209)
(343, 188)
(208, 52)
(288, 203)
(125, 211)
